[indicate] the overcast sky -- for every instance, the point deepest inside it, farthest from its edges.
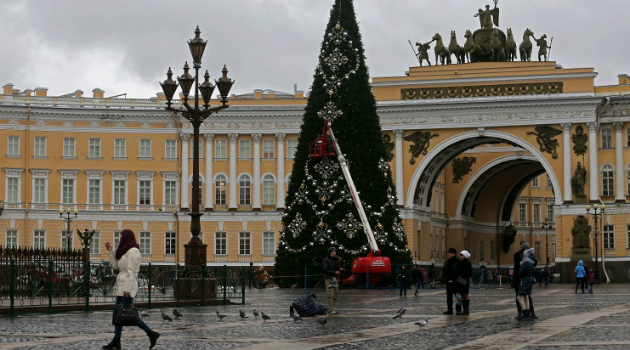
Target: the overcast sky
(124, 46)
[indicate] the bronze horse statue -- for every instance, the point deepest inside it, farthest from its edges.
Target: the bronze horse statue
(454, 48)
(497, 49)
(510, 46)
(440, 50)
(471, 48)
(525, 48)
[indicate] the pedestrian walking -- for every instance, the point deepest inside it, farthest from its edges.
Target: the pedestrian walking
(526, 276)
(463, 281)
(450, 272)
(332, 269)
(416, 277)
(516, 282)
(252, 274)
(432, 273)
(580, 276)
(590, 280)
(403, 280)
(126, 259)
(423, 277)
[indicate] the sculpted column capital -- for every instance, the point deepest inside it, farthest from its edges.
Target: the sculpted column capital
(208, 137)
(592, 126)
(256, 137)
(399, 133)
(618, 125)
(184, 137)
(281, 136)
(566, 127)
(232, 137)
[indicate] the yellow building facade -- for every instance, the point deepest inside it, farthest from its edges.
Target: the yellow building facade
(467, 160)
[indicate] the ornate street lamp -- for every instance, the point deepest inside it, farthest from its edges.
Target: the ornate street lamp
(596, 213)
(547, 225)
(195, 250)
(68, 219)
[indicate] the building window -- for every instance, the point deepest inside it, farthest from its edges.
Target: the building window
(170, 192)
(609, 237)
(94, 191)
(171, 149)
(13, 190)
(536, 182)
(39, 239)
(268, 149)
(269, 243)
(522, 213)
(169, 243)
(550, 214)
(67, 190)
(493, 248)
(549, 184)
(268, 190)
(192, 148)
(13, 149)
(244, 150)
(607, 181)
(537, 213)
(628, 237)
(64, 240)
(12, 239)
(120, 148)
(220, 149)
(39, 190)
(145, 148)
(69, 149)
(95, 247)
(244, 190)
(244, 243)
(116, 239)
(145, 242)
(95, 148)
(291, 148)
(220, 243)
(220, 190)
(607, 138)
(40, 147)
(120, 192)
(144, 195)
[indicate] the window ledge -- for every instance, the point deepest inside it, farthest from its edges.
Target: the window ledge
(170, 159)
(119, 158)
(268, 159)
(606, 149)
(95, 158)
(69, 157)
(145, 158)
(220, 159)
(14, 156)
(40, 157)
(244, 159)
(191, 158)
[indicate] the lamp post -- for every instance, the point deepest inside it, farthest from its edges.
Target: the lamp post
(195, 250)
(547, 225)
(596, 213)
(68, 218)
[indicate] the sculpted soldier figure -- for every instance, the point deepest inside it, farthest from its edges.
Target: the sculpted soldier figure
(423, 53)
(579, 179)
(542, 43)
(488, 17)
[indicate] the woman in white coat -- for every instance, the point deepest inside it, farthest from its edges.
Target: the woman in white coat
(127, 259)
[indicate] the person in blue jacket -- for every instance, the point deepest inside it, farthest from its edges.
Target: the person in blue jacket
(580, 276)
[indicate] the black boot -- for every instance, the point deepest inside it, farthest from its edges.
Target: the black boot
(466, 307)
(458, 309)
(520, 311)
(448, 312)
(153, 337)
(532, 313)
(114, 344)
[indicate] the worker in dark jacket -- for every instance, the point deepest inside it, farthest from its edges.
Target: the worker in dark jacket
(450, 272)
(465, 273)
(332, 269)
(516, 281)
(403, 281)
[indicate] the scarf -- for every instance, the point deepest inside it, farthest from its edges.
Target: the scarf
(127, 241)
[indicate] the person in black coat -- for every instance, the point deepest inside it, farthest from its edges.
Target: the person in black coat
(450, 272)
(403, 280)
(516, 281)
(465, 273)
(526, 275)
(332, 267)
(416, 278)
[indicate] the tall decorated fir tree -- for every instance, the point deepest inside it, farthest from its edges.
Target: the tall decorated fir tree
(320, 211)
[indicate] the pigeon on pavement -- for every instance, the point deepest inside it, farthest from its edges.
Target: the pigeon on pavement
(240, 312)
(400, 313)
(166, 317)
(220, 316)
(296, 318)
(322, 321)
(265, 317)
(423, 323)
(256, 314)
(144, 314)
(177, 313)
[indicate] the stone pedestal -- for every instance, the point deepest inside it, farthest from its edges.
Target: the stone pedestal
(195, 253)
(190, 288)
(580, 199)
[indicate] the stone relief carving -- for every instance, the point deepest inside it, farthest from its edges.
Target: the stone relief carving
(545, 138)
(462, 167)
(389, 147)
(420, 146)
(580, 231)
(579, 141)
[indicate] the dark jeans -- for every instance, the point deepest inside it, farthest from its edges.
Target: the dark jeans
(126, 301)
(253, 280)
(451, 289)
(580, 281)
(403, 287)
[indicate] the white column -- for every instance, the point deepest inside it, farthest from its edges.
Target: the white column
(566, 156)
(620, 195)
(256, 138)
(232, 200)
(184, 185)
(400, 187)
(280, 172)
(593, 167)
(209, 176)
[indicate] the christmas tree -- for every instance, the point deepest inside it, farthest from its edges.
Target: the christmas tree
(320, 210)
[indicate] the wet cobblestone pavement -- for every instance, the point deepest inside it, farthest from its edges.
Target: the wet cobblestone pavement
(566, 321)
